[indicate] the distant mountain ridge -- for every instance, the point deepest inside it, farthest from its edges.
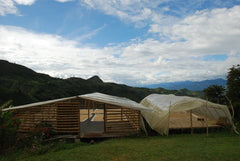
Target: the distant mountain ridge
(23, 85)
(190, 85)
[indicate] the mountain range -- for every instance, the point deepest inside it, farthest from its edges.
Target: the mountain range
(23, 85)
(190, 85)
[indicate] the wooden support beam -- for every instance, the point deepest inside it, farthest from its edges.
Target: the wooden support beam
(105, 117)
(191, 123)
(206, 118)
(121, 113)
(168, 118)
(88, 109)
(79, 118)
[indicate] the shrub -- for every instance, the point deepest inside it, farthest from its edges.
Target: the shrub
(35, 142)
(38, 141)
(9, 124)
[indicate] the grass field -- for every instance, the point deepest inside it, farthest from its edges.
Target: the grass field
(216, 147)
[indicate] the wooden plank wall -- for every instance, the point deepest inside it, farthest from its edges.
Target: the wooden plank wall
(68, 119)
(133, 116)
(121, 120)
(64, 116)
(33, 116)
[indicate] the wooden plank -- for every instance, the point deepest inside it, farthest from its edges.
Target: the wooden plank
(124, 113)
(33, 123)
(69, 127)
(191, 123)
(66, 128)
(68, 116)
(119, 131)
(121, 127)
(119, 123)
(105, 118)
(115, 118)
(123, 130)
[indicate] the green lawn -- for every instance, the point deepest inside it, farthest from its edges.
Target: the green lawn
(217, 146)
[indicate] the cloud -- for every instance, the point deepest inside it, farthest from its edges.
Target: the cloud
(212, 32)
(208, 32)
(9, 6)
(88, 35)
(136, 11)
(147, 12)
(182, 56)
(25, 2)
(62, 1)
(50, 54)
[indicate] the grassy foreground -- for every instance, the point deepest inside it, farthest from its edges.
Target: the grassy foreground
(217, 146)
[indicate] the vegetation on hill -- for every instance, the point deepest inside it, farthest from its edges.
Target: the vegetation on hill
(230, 95)
(23, 85)
(215, 93)
(233, 89)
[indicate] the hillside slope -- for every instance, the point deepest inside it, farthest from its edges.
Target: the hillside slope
(23, 85)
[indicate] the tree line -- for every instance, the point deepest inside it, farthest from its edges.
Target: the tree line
(229, 95)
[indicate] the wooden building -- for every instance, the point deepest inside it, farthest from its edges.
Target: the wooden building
(85, 116)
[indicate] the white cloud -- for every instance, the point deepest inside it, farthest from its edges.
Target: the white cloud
(135, 11)
(207, 25)
(25, 2)
(149, 13)
(204, 33)
(88, 35)
(62, 1)
(50, 54)
(9, 6)
(208, 32)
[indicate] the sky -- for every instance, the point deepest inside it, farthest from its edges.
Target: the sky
(133, 42)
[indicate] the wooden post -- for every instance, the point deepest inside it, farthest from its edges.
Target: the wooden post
(104, 117)
(191, 121)
(88, 104)
(139, 121)
(121, 113)
(232, 116)
(169, 118)
(92, 106)
(206, 120)
(79, 117)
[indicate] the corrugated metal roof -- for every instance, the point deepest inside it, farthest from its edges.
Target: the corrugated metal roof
(100, 97)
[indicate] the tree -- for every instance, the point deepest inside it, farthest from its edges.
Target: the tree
(215, 93)
(233, 89)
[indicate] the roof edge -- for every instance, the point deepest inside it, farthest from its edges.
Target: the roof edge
(38, 103)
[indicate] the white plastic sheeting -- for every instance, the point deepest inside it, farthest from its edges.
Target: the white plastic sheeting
(163, 105)
(114, 100)
(39, 103)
